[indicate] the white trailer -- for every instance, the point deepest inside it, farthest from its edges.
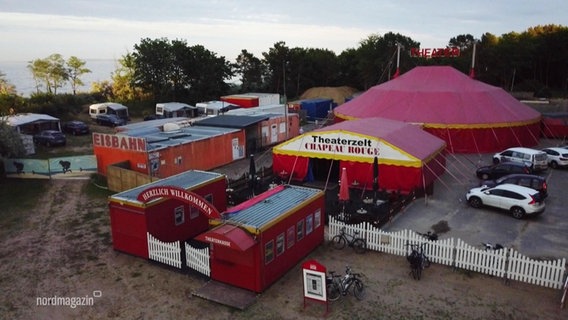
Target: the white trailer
(109, 108)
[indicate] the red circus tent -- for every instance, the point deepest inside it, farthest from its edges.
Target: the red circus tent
(409, 158)
(471, 116)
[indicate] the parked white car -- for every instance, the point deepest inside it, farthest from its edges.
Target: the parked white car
(519, 200)
(557, 157)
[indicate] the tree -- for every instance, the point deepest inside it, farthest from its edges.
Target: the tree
(6, 88)
(49, 72)
(207, 74)
(11, 145)
(277, 62)
(252, 72)
(172, 70)
(76, 68)
(153, 66)
(376, 57)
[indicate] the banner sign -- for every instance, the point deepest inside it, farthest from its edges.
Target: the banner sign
(115, 141)
(178, 193)
(341, 145)
(451, 52)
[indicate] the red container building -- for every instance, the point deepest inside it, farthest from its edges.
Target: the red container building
(166, 218)
(258, 241)
(242, 100)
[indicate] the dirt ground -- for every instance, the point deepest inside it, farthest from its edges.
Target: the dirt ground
(64, 249)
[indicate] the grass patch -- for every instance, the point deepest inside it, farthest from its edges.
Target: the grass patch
(97, 188)
(17, 199)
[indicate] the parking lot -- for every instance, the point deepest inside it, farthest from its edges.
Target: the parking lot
(447, 212)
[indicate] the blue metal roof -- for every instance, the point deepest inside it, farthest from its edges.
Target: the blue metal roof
(263, 213)
(186, 180)
(158, 139)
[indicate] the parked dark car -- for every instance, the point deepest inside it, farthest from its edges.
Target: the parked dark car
(109, 120)
(75, 127)
(50, 138)
(501, 169)
(532, 181)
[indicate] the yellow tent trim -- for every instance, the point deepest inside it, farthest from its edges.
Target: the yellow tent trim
(414, 162)
(462, 126)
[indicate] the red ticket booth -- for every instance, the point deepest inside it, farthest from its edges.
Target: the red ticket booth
(258, 241)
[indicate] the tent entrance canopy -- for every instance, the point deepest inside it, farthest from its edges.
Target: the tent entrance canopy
(229, 236)
(402, 150)
(347, 146)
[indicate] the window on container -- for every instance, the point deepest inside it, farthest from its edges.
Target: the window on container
(280, 244)
(300, 230)
(179, 215)
(317, 219)
(269, 252)
(193, 212)
(309, 224)
(291, 236)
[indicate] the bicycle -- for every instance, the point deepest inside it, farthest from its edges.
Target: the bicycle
(492, 247)
(418, 260)
(432, 236)
(339, 241)
(337, 285)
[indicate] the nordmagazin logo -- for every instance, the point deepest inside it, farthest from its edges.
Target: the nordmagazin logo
(72, 302)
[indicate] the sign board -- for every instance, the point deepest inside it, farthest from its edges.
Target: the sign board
(178, 193)
(342, 145)
(314, 280)
(117, 141)
(449, 52)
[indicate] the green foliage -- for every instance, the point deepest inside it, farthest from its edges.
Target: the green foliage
(252, 71)
(54, 72)
(76, 68)
(161, 70)
(11, 145)
(174, 71)
(6, 88)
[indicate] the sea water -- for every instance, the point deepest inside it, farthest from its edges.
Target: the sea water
(18, 74)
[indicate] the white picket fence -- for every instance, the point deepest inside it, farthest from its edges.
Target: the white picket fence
(165, 252)
(506, 263)
(198, 259)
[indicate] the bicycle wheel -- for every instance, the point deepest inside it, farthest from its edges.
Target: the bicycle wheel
(358, 289)
(426, 261)
(338, 242)
(418, 272)
(333, 292)
(359, 245)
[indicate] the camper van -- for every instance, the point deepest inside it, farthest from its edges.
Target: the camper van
(175, 109)
(109, 108)
(214, 108)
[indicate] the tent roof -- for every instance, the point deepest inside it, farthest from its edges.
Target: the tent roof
(408, 137)
(393, 142)
(439, 96)
(175, 106)
(25, 118)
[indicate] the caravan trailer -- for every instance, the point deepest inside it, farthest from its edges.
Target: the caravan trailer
(214, 108)
(175, 109)
(109, 108)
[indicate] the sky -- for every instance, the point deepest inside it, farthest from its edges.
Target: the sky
(109, 29)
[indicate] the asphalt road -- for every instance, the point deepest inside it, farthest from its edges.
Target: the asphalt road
(543, 236)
